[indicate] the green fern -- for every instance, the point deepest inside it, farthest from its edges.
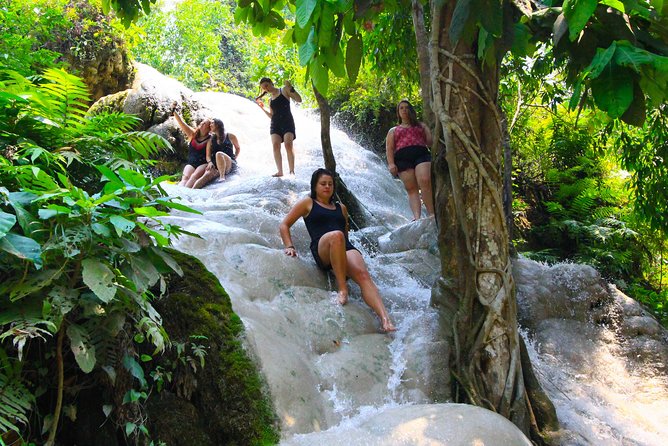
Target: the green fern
(15, 399)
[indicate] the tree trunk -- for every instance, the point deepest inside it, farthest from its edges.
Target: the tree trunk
(475, 294)
(358, 218)
(422, 40)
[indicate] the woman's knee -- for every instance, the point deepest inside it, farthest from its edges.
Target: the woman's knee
(336, 237)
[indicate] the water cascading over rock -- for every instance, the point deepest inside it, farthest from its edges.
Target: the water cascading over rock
(327, 367)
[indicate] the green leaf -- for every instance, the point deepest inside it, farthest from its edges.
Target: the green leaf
(335, 62)
(135, 369)
(101, 229)
(492, 17)
(578, 13)
(178, 206)
(320, 76)
(7, 221)
(32, 283)
(326, 26)
(83, 349)
(99, 278)
(133, 178)
(613, 90)
(52, 210)
(307, 50)
(354, 56)
(600, 61)
(129, 428)
(304, 10)
(460, 18)
(159, 238)
(150, 211)
(169, 260)
(23, 248)
(633, 57)
(121, 224)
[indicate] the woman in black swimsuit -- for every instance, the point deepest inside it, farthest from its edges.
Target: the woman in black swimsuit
(327, 224)
(220, 156)
(198, 138)
(282, 127)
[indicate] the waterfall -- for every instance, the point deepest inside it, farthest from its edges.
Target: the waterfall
(327, 367)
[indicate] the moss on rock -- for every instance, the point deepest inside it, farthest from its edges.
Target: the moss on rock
(227, 395)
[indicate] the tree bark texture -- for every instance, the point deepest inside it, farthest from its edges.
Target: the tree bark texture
(475, 294)
(422, 41)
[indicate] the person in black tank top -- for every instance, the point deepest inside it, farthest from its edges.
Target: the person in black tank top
(220, 156)
(282, 128)
(198, 138)
(327, 224)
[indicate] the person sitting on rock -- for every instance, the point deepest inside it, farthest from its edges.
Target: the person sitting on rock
(327, 224)
(220, 157)
(198, 139)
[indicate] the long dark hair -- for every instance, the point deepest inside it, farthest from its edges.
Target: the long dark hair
(263, 93)
(314, 181)
(412, 116)
(220, 133)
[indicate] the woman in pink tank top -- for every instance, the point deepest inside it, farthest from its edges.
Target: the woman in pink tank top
(408, 156)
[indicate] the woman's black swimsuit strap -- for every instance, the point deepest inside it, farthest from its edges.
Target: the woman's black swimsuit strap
(319, 222)
(282, 121)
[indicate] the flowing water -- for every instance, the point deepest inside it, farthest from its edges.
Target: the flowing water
(329, 367)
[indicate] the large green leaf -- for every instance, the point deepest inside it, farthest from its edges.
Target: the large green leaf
(33, 283)
(23, 248)
(335, 62)
(600, 60)
(307, 50)
(326, 28)
(7, 221)
(633, 57)
(460, 18)
(613, 90)
(132, 366)
(83, 349)
(320, 76)
(99, 278)
(121, 224)
(354, 56)
(492, 16)
(578, 13)
(304, 10)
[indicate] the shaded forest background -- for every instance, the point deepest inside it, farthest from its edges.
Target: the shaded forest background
(585, 187)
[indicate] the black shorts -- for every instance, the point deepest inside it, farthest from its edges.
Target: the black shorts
(197, 160)
(409, 157)
(283, 126)
(318, 260)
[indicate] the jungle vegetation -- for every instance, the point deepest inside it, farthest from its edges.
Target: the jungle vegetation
(585, 117)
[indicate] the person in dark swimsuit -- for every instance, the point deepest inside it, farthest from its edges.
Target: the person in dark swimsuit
(408, 156)
(327, 224)
(198, 139)
(221, 151)
(282, 128)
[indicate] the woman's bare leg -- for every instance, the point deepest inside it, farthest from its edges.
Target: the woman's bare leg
(223, 164)
(423, 176)
(199, 171)
(205, 178)
(357, 271)
(411, 185)
(187, 172)
(276, 145)
(288, 142)
(332, 251)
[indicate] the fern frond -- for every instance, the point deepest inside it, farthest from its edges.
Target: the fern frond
(68, 97)
(15, 399)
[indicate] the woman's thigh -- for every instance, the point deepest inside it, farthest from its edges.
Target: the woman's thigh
(325, 245)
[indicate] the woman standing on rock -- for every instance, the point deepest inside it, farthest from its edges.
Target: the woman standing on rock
(407, 150)
(198, 139)
(282, 128)
(327, 224)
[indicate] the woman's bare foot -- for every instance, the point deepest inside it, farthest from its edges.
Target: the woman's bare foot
(222, 178)
(278, 174)
(387, 325)
(342, 297)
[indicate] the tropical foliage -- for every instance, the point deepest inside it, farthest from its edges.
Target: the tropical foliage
(82, 246)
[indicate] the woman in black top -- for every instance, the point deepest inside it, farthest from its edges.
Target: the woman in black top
(219, 155)
(327, 224)
(198, 139)
(282, 128)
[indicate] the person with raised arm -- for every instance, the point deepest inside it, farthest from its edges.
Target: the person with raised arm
(198, 139)
(327, 223)
(282, 128)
